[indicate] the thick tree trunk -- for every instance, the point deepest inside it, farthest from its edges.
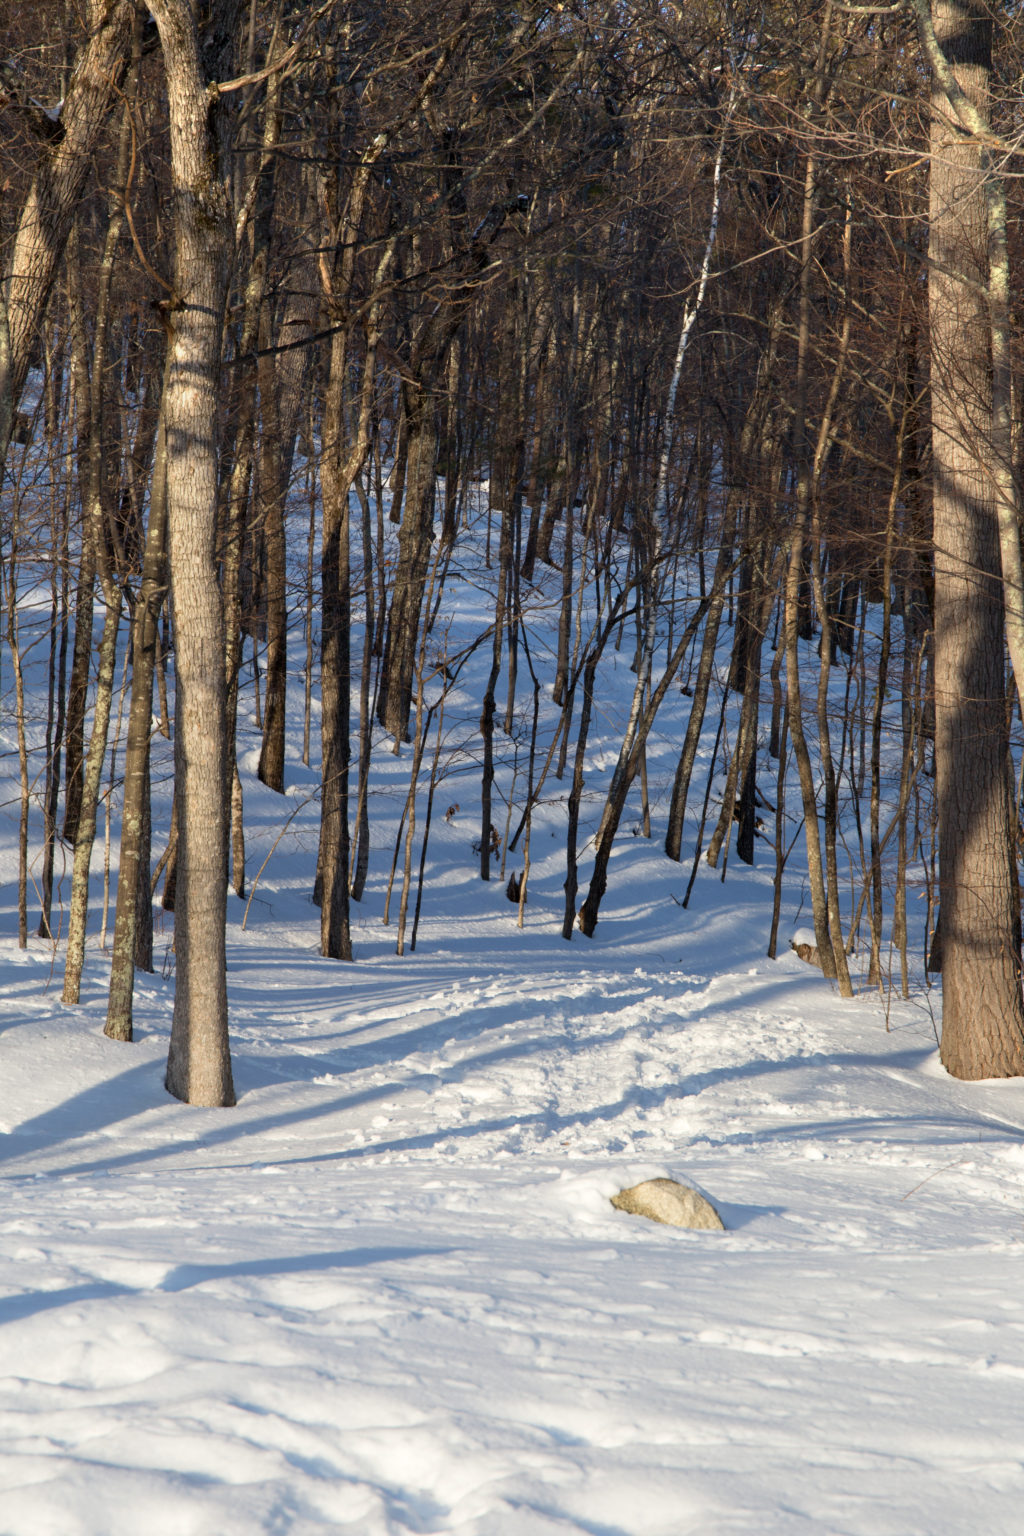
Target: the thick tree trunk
(983, 1018)
(199, 1062)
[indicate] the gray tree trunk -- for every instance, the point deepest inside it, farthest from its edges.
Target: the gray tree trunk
(199, 1062)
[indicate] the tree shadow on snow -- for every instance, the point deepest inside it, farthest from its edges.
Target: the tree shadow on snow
(100, 1106)
(941, 1127)
(184, 1276)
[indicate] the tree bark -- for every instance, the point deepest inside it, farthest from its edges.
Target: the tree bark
(273, 492)
(45, 221)
(132, 877)
(199, 1061)
(983, 1018)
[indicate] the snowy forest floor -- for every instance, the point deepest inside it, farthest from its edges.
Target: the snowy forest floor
(387, 1292)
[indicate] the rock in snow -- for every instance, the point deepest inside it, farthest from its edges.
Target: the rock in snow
(675, 1205)
(804, 944)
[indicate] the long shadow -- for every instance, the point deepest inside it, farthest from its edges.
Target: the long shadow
(549, 1512)
(941, 1129)
(229, 1129)
(738, 1216)
(893, 1129)
(104, 1104)
(185, 1276)
(356, 1056)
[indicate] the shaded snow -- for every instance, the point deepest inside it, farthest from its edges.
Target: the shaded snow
(388, 1294)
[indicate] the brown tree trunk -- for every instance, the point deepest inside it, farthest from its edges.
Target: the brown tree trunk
(45, 221)
(82, 647)
(133, 864)
(335, 673)
(99, 484)
(361, 856)
(415, 537)
(341, 463)
(487, 713)
(55, 712)
(625, 773)
(273, 490)
(796, 606)
(983, 1018)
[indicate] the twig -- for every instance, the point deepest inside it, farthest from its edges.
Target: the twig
(300, 807)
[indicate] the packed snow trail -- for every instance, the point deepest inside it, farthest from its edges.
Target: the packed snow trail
(388, 1293)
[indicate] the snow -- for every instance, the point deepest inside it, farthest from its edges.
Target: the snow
(387, 1293)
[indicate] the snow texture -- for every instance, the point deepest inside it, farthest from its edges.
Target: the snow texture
(388, 1293)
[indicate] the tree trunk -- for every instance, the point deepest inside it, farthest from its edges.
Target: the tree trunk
(625, 772)
(575, 797)
(273, 491)
(487, 713)
(97, 476)
(45, 221)
(415, 537)
(199, 1061)
(983, 1018)
(335, 673)
(132, 878)
(55, 712)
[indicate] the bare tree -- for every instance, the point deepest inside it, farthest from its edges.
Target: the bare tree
(983, 1015)
(45, 221)
(199, 1062)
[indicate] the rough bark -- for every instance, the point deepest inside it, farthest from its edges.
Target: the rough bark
(983, 1018)
(199, 1061)
(45, 221)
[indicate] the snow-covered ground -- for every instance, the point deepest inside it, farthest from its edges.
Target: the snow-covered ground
(388, 1293)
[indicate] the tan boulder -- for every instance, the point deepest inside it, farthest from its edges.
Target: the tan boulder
(805, 946)
(675, 1205)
